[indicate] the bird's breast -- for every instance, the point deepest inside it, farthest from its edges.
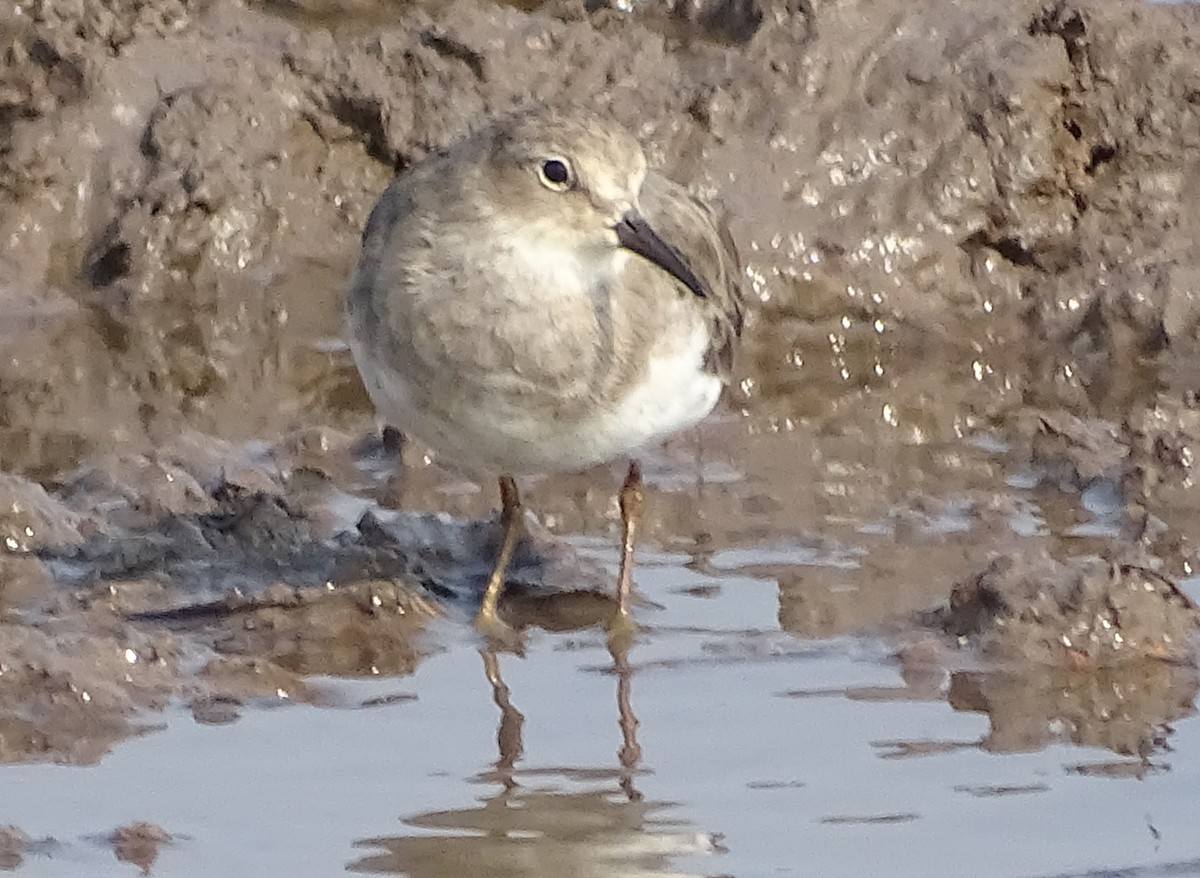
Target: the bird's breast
(517, 318)
(550, 271)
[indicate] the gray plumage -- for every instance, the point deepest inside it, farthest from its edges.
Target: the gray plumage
(496, 313)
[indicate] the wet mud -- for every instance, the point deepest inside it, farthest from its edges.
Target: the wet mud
(964, 428)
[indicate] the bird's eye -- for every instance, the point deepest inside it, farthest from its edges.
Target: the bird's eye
(555, 174)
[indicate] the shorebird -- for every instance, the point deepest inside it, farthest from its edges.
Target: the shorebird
(534, 299)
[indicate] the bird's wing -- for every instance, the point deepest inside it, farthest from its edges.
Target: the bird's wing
(703, 240)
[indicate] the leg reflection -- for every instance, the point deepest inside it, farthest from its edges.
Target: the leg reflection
(630, 754)
(508, 734)
(509, 740)
(565, 821)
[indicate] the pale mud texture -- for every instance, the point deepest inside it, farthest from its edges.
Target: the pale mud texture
(971, 219)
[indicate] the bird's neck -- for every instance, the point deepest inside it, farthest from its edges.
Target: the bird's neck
(555, 264)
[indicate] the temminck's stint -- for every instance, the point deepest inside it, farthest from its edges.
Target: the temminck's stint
(535, 300)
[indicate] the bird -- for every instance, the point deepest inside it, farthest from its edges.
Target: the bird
(534, 299)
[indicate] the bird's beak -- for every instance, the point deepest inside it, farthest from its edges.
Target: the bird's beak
(634, 233)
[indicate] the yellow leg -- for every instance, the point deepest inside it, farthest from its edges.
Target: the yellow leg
(632, 501)
(488, 619)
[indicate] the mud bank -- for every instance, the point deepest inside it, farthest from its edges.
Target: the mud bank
(183, 185)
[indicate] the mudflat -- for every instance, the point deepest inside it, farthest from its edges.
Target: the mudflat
(918, 596)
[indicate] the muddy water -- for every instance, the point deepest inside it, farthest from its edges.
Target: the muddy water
(778, 714)
(737, 775)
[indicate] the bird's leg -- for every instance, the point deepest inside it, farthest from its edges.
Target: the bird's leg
(632, 500)
(391, 493)
(512, 520)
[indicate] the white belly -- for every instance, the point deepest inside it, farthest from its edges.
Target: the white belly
(502, 437)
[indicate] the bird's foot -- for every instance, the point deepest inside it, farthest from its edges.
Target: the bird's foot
(499, 635)
(622, 629)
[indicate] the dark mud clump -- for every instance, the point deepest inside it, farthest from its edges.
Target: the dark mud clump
(1089, 651)
(13, 843)
(1082, 613)
(139, 844)
(141, 569)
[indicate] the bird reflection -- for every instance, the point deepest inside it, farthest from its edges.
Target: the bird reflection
(509, 742)
(512, 721)
(601, 825)
(630, 754)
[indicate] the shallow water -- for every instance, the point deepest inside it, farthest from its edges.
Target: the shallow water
(737, 775)
(777, 715)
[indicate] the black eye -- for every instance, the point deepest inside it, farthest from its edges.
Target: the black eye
(555, 173)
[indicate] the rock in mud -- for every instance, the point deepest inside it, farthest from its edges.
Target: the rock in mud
(13, 843)
(1088, 651)
(139, 843)
(1075, 451)
(236, 543)
(113, 24)
(1164, 439)
(1081, 613)
(131, 491)
(30, 519)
